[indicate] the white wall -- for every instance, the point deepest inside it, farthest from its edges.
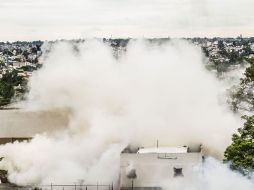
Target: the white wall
(152, 171)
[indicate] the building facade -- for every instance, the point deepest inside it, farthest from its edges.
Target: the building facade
(151, 168)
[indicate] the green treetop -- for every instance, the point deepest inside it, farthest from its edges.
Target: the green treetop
(241, 152)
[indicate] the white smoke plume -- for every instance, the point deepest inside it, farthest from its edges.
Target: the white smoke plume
(211, 175)
(151, 92)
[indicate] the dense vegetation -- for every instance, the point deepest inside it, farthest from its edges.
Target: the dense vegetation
(241, 152)
(242, 96)
(11, 86)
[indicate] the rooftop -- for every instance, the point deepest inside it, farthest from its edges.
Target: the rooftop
(182, 149)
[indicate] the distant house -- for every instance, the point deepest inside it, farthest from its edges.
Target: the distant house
(149, 168)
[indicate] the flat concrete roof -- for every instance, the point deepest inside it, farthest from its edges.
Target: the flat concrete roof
(182, 149)
(21, 123)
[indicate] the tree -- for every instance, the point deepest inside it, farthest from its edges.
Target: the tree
(221, 45)
(242, 95)
(7, 86)
(205, 51)
(249, 73)
(241, 152)
(6, 90)
(234, 56)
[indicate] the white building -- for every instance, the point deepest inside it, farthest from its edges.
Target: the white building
(148, 168)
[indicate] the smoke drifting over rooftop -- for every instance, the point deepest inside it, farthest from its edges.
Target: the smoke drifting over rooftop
(151, 92)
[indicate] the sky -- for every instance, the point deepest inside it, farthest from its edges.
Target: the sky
(68, 19)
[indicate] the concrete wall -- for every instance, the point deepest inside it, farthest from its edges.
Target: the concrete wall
(153, 170)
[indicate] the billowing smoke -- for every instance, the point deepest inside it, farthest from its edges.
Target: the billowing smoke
(211, 175)
(151, 92)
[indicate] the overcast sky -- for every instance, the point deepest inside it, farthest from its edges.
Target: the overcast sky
(56, 19)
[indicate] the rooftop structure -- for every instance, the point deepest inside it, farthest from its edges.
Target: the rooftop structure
(152, 167)
(183, 149)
